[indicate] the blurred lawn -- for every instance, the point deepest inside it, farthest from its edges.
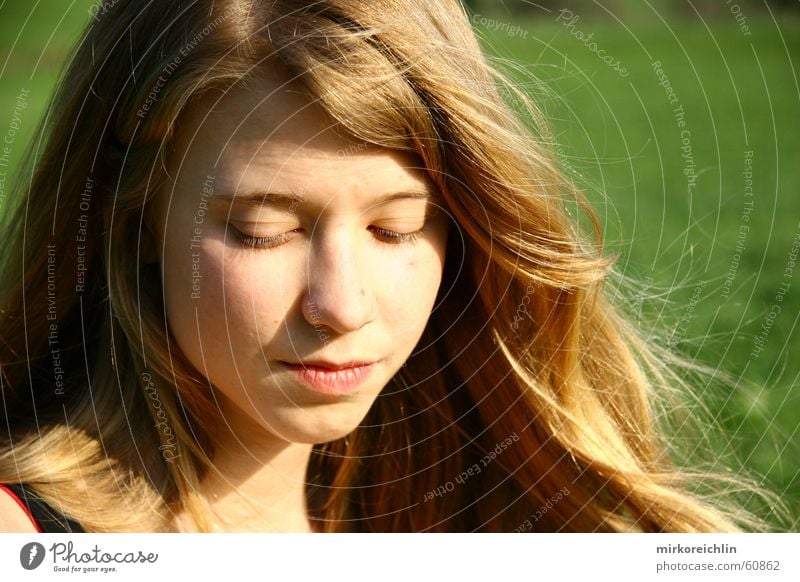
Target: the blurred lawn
(739, 93)
(35, 38)
(621, 136)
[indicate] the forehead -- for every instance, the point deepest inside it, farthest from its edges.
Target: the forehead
(270, 133)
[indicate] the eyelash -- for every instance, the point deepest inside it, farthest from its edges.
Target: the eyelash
(397, 238)
(266, 242)
(260, 242)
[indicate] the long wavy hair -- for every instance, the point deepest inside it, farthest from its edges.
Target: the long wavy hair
(531, 402)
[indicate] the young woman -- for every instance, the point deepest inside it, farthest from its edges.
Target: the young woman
(296, 266)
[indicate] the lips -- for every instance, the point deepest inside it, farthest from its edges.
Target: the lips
(327, 377)
(326, 365)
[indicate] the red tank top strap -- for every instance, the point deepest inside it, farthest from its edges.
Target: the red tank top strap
(44, 517)
(23, 506)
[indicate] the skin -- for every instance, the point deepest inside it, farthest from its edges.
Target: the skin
(13, 518)
(335, 288)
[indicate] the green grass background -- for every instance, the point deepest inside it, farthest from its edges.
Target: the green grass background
(619, 135)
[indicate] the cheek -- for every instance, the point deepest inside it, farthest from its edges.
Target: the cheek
(409, 290)
(182, 280)
(221, 303)
(245, 297)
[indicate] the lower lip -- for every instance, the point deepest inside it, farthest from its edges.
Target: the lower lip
(329, 381)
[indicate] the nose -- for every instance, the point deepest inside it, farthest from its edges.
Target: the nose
(340, 285)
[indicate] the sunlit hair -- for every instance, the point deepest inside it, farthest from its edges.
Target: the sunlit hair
(524, 343)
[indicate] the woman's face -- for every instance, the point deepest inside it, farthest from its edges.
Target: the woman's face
(299, 268)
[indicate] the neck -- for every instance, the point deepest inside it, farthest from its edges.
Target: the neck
(258, 485)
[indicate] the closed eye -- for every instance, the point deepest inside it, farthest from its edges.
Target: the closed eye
(394, 237)
(265, 242)
(262, 242)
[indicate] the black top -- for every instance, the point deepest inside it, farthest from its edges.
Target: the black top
(49, 520)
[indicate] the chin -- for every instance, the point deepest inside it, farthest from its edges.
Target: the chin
(317, 435)
(315, 426)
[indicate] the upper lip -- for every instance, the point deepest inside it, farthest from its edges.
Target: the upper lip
(331, 365)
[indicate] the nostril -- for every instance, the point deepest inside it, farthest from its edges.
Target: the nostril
(337, 313)
(313, 311)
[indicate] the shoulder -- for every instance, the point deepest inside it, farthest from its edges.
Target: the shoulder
(14, 517)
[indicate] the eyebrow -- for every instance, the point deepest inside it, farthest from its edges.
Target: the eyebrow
(260, 198)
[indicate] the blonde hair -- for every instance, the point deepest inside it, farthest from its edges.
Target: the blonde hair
(524, 347)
